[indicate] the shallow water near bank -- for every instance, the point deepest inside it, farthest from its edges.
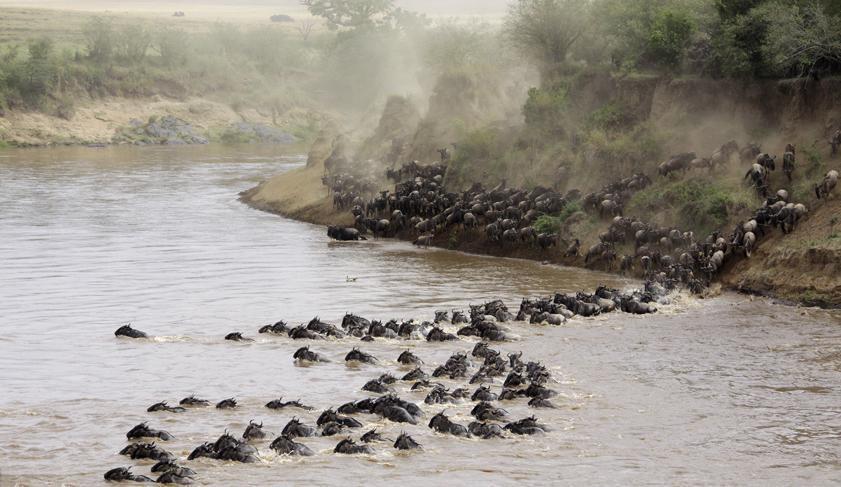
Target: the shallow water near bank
(730, 390)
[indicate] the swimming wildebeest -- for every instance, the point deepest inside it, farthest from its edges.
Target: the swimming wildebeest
(304, 354)
(128, 331)
(254, 431)
(442, 424)
(121, 474)
(143, 430)
(296, 429)
(406, 442)
(229, 403)
(194, 401)
(357, 355)
(281, 404)
(349, 447)
(285, 445)
(163, 406)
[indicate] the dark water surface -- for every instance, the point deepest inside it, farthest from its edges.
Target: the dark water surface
(724, 391)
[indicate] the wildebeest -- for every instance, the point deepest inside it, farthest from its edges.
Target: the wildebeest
(143, 430)
(835, 142)
(678, 162)
(128, 331)
(723, 154)
(749, 152)
(344, 234)
(442, 424)
(424, 240)
(824, 189)
(121, 474)
(788, 161)
(285, 445)
(759, 178)
(767, 161)
(749, 242)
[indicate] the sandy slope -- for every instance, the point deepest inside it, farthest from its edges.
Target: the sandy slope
(297, 194)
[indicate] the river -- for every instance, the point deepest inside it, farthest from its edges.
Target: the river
(730, 390)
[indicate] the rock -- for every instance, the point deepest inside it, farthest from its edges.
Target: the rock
(166, 130)
(245, 132)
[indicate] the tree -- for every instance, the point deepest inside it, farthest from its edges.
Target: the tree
(37, 75)
(738, 44)
(806, 39)
(171, 44)
(99, 39)
(134, 41)
(546, 29)
(350, 14)
(668, 38)
(650, 34)
(305, 28)
(728, 9)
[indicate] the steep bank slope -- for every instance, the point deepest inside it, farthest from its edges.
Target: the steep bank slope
(803, 267)
(297, 194)
(698, 115)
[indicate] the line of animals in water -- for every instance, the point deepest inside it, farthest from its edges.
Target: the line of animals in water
(525, 381)
(421, 208)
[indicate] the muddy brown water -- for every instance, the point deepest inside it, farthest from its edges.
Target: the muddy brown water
(724, 391)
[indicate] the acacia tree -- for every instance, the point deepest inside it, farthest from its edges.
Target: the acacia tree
(806, 39)
(350, 14)
(546, 30)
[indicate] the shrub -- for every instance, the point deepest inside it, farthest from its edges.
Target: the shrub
(547, 224)
(699, 205)
(171, 44)
(552, 224)
(544, 109)
(613, 116)
(99, 39)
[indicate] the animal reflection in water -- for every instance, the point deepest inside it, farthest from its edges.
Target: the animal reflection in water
(521, 381)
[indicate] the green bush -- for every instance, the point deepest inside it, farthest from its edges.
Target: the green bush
(544, 109)
(649, 34)
(634, 150)
(699, 205)
(100, 39)
(613, 116)
(552, 224)
(547, 224)
(668, 38)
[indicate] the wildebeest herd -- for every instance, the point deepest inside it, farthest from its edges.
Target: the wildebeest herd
(420, 208)
(481, 375)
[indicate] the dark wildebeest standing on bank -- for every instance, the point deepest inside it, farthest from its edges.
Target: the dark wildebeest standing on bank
(788, 160)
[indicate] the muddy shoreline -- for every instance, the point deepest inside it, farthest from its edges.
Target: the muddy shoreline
(776, 272)
(299, 195)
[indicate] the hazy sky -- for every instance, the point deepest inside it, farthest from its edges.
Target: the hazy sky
(430, 7)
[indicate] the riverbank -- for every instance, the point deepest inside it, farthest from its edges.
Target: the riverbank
(299, 195)
(109, 121)
(803, 267)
